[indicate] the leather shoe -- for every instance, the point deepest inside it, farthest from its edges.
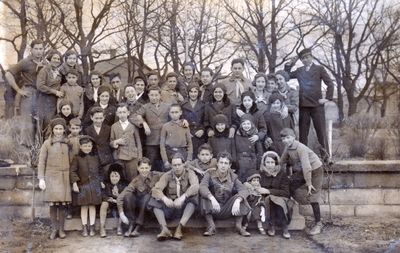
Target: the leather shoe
(210, 231)
(164, 234)
(178, 232)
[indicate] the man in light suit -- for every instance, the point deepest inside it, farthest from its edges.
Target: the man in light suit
(311, 102)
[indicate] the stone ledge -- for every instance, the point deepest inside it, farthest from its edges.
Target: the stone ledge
(16, 170)
(367, 166)
(9, 212)
(20, 197)
(337, 210)
(378, 210)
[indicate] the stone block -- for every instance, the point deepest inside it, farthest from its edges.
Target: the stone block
(367, 166)
(20, 197)
(392, 196)
(356, 196)
(378, 210)
(337, 210)
(7, 212)
(376, 180)
(25, 183)
(16, 170)
(7, 183)
(339, 180)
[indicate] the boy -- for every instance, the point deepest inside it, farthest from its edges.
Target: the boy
(73, 92)
(116, 87)
(100, 132)
(204, 161)
(136, 195)
(175, 195)
(175, 138)
(75, 128)
(169, 91)
(124, 138)
(152, 79)
(307, 170)
(152, 116)
(206, 77)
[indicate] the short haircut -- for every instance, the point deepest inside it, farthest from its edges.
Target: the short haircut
(154, 87)
(207, 69)
(111, 76)
(152, 73)
(36, 42)
(69, 52)
(175, 105)
(287, 132)
(140, 78)
(237, 60)
(190, 64)
(178, 155)
(72, 71)
(171, 74)
(96, 109)
(122, 105)
(204, 146)
(271, 77)
(225, 154)
(144, 160)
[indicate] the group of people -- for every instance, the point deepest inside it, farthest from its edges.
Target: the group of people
(191, 145)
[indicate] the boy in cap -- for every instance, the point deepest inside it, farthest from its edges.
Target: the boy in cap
(311, 103)
(306, 170)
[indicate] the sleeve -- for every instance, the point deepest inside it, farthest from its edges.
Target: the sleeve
(261, 126)
(305, 164)
(242, 190)
(41, 81)
(113, 137)
(74, 177)
(138, 142)
(207, 119)
(204, 186)
(163, 150)
(283, 190)
(194, 184)
(16, 69)
(42, 160)
(293, 100)
(131, 188)
(292, 74)
(189, 144)
(158, 190)
(328, 82)
(81, 106)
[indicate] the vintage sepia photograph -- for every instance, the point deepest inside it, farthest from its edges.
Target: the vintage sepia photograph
(210, 126)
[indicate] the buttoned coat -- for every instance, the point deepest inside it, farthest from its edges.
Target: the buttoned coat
(102, 141)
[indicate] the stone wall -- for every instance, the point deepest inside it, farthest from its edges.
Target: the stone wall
(358, 188)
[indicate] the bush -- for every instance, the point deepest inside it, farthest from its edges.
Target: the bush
(378, 148)
(359, 131)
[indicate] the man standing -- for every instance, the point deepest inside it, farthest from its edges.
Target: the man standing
(236, 83)
(25, 104)
(311, 104)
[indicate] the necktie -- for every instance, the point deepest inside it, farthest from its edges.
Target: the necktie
(239, 89)
(178, 186)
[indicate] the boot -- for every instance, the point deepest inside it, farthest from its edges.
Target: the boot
(119, 228)
(316, 229)
(62, 214)
(136, 232)
(211, 226)
(103, 232)
(240, 228)
(53, 234)
(84, 231)
(271, 230)
(178, 232)
(91, 231)
(286, 233)
(129, 231)
(164, 234)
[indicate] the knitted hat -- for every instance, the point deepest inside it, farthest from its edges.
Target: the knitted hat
(220, 118)
(304, 52)
(248, 94)
(284, 74)
(58, 121)
(255, 175)
(64, 102)
(271, 154)
(287, 132)
(75, 121)
(104, 88)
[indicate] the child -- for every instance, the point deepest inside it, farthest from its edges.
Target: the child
(175, 138)
(140, 87)
(116, 87)
(65, 110)
(114, 185)
(275, 123)
(152, 116)
(169, 91)
(153, 79)
(307, 171)
(271, 83)
(204, 161)
(260, 92)
(100, 133)
(86, 179)
(248, 153)
(71, 63)
(53, 175)
(136, 195)
(104, 102)
(193, 112)
(73, 92)
(124, 138)
(277, 203)
(207, 86)
(256, 202)
(220, 105)
(220, 140)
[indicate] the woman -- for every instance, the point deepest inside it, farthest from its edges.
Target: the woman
(260, 91)
(291, 96)
(91, 90)
(277, 203)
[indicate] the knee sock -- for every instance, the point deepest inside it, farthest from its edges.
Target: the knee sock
(61, 216)
(92, 215)
(103, 213)
(53, 217)
(210, 220)
(187, 213)
(160, 217)
(316, 211)
(84, 214)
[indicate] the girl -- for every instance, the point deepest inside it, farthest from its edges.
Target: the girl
(48, 84)
(193, 112)
(277, 203)
(291, 96)
(187, 79)
(275, 123)
(248, 106)
(260, 92)
(91, 90)
(114, 185)
(87, 182)
(53, 175)
(248, 153)
(65, 110)
(71, 62)
(220, 105)
(104, 93)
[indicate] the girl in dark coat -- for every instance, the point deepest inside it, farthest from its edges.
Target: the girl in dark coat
(104, 95)
(86, 179)
(277, 203)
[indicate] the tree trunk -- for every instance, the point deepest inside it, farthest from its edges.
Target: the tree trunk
(352, 106)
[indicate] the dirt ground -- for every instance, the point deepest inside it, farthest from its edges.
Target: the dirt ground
(341, 235)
